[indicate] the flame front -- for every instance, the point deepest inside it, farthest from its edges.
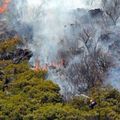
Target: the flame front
(45, 67)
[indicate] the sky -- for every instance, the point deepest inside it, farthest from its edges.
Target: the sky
(67, 3)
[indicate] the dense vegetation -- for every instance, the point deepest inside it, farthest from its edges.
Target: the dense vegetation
(26, 95)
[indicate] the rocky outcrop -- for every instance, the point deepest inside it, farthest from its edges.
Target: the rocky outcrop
(16, 56)
(19, 54)
(95, 12)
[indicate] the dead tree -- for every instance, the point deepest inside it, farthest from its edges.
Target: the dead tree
(112, 9)
(90, 72)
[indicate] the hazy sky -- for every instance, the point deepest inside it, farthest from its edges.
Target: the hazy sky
(68, 3)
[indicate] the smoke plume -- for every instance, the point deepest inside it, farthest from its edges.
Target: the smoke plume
(72, 30)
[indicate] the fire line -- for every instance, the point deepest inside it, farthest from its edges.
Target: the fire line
(38, 67)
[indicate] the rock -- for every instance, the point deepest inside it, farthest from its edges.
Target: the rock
(17, 55)
(95, 12)
(16, 60)
(21, 54)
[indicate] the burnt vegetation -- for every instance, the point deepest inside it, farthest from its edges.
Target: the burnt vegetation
(92, 50)
(91, 72)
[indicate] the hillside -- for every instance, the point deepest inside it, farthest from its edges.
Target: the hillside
(26, 95)
(60, 61)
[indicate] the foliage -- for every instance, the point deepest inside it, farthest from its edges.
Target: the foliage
(29, 96)
(9, 45)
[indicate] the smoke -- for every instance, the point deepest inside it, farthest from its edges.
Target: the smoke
(47, 20)
(114, 77)
(66, 29)
(68, 4)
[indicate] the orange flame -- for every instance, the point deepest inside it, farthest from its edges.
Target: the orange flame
(38, 67)
(4, 7)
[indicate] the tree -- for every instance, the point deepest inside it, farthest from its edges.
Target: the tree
(112, 9)
(91, 72)
(87, 62)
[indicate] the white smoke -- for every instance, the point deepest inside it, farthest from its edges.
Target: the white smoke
(51, 22)
(67, 4)
(114, 77)
(48, 19)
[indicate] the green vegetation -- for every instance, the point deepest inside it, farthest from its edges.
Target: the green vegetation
(28, 96)
(9, 44)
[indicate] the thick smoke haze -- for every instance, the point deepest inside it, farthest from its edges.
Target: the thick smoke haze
(48, 19)
(70, 30)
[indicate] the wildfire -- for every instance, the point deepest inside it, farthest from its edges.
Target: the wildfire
(4, 6)
(45, 67)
